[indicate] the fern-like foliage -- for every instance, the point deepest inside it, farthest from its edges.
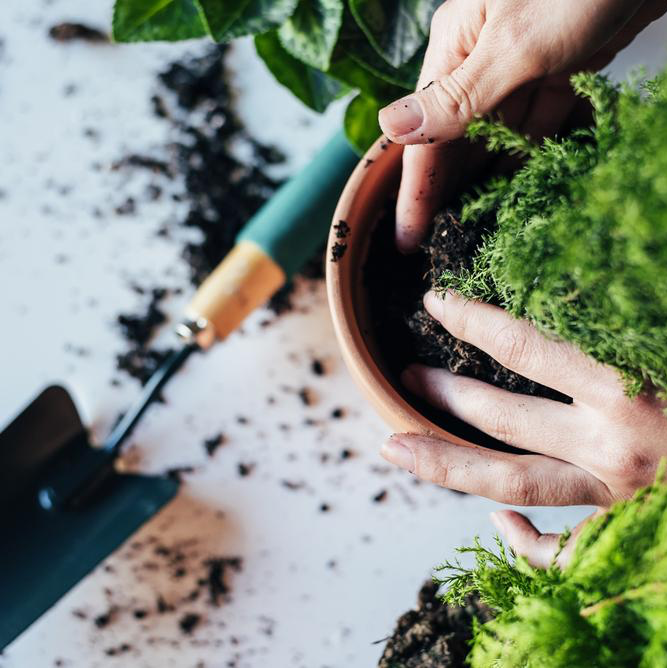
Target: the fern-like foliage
(607, 608)
(580, 246)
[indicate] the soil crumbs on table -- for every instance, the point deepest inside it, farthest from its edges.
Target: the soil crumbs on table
(186, 582)
(434, 635)
(70, 32)
(222, 192)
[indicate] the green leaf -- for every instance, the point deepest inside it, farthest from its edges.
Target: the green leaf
(310, 34)
(347, 70)
(353, 41)
(361, 122)
(256, 17)
(405, 77)
(396, 29)
(220, 15)
(314, 88)
(150, 20)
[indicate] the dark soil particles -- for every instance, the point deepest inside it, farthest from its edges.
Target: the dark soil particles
(205, 577)
(409, 334)
(433, 635)
(70, 32)
(221, 192)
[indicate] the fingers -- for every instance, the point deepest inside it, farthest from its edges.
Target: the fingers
(517, 345)
(532, 423)
(441, 110)
(523, 480)
(538, 548)
(430, 174)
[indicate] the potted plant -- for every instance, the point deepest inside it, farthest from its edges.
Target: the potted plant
(606, 608)
(575, 240)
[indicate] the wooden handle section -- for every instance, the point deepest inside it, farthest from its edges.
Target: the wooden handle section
(242, 282)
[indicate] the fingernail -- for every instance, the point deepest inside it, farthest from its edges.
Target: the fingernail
(402, 117)
(410, 380)
(398, 454)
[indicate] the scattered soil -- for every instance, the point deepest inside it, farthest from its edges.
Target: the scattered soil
(339, 248)
(216, 577)
(434, 635)
(103, 620)
(138, 328)
(70, 32)
(144, 162)
(245, 469)
(222, 192)
(183, 582)
(189, 622)
(141, 363)
(123, 648)
(141, 359)
(380, 496)
(126, 208)
(213, 443)
(307, 396)
(317, 367)
(410, 334)
(293, 485)
(338, 251)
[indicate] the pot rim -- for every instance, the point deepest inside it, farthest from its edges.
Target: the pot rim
(383, 156)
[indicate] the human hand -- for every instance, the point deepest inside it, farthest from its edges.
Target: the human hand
(594, 451)
(513, 56)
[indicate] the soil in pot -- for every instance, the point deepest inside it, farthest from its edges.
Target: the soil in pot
(405, 333)
(433, 635)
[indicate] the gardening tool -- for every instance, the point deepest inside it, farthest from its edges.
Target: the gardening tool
(64, 505)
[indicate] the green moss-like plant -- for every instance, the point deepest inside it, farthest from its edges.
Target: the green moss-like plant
(580, 246)
(606, 609)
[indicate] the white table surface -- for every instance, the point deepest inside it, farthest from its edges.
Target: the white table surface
(65, 275)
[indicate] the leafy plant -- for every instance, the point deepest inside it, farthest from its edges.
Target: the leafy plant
(580, 244)
(319, 49)
(607, 608)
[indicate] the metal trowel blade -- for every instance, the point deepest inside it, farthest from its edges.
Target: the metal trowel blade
(46, 552)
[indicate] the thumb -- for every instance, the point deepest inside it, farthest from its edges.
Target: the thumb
(538, 548)
(441, 110)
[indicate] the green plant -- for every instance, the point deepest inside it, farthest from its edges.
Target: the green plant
(580, 242)
(606, 608)
(319, 49)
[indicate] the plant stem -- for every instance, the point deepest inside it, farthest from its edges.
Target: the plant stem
(638, 592)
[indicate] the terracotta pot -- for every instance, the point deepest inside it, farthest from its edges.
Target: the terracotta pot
(362, 202)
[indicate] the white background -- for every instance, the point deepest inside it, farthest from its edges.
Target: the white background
(66, 274)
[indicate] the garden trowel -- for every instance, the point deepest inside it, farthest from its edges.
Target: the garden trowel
(64, 505)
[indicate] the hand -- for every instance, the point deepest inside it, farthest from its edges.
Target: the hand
(513, 56)
(594, 451)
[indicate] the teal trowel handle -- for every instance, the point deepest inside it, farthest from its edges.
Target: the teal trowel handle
(294, 222)
(274, 244)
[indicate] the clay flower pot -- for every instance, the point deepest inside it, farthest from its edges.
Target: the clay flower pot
(365, 196)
